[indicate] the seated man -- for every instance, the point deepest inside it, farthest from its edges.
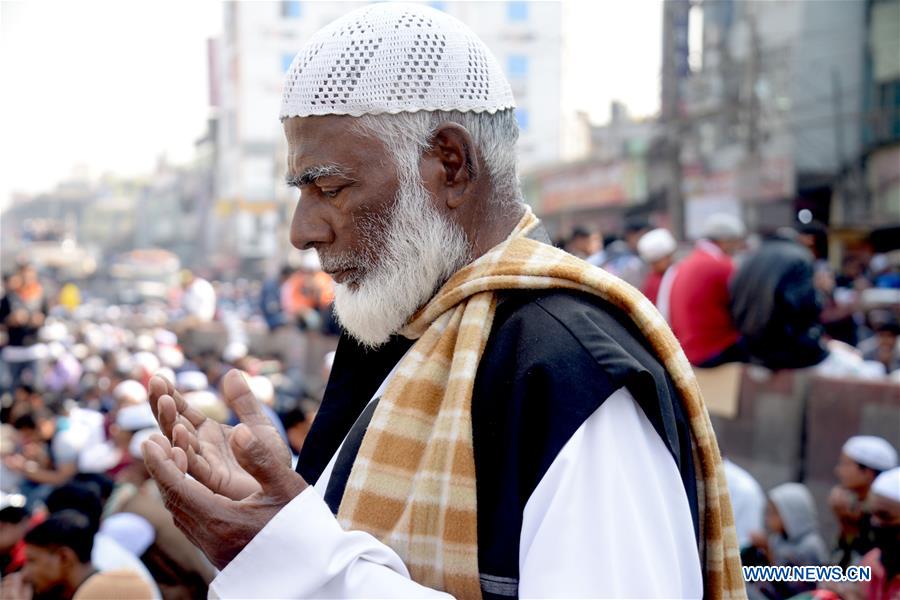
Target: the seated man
(862, 459)
(58, 556)
(107, 555)
(884, 558)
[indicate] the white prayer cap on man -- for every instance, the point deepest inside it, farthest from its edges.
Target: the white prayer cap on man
(53, 331)
(133, 532)
(93, 364)
(146, 361)
(130, 392)
(724, 227)
(656, 244)
(170, 356)
(390, 58)
(871, 451)
(262, 389)
(138, 439)
(208, 403)
(167, 374)
(80, 351)
(234, 351)
(135, 417)
(145, 343)
(887, 485)
(190, 381)
(7, 500)
(164, 337)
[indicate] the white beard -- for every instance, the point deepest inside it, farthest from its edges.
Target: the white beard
(417, 252)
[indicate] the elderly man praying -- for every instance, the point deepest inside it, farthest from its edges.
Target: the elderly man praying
(502, 419)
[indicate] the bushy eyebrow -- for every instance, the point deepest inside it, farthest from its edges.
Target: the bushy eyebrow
(311, 174)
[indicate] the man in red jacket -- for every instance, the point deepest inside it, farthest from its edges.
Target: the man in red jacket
(700, 301)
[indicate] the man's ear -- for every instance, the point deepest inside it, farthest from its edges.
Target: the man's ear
(453, 152)
(67, 557)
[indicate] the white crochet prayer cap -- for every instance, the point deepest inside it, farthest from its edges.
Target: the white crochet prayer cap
(656, 244)
(887, 485)
(135, 417)
(394, 57)
(871, 451)
(133, 532)
(137, 441)
(130, 391)
(724, 227)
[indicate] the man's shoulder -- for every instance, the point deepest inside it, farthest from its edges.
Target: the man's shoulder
(558, 318)
(560, 339)
(703, 264)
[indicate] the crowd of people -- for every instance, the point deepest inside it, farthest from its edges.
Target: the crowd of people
(74, 489)
(781, 527)
(774, 301)
(770, 299)
(80, 515)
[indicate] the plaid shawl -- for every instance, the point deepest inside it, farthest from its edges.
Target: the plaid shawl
(413, 483)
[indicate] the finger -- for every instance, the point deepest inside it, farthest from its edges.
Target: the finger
(179, 492)
(162, 442)
(200, 469)
(160, 387)
(180, 459)
(156, 388)
(167, 414)
(256, 458)
(194, 416)
(241, 400)
(184, 438)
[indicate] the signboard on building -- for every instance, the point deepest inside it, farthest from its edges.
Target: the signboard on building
(592, 184)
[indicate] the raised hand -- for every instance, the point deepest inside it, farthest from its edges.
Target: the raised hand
(206, 445)
(218, 525)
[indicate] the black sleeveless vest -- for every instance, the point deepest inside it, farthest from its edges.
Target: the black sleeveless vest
(552, 358)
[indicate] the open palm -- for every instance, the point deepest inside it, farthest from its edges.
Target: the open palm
(207, 443)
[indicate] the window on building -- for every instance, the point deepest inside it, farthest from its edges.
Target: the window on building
(286, 60)
(517, 11)
(291, 9)
(522, 119)
(517, 66)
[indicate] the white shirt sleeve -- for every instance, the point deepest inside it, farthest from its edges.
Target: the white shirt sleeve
(304, 553)
(610, 518)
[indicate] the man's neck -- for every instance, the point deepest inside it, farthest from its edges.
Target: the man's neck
(78, 576)
(502, 222)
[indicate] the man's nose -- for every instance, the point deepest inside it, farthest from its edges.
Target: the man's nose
(309, 226)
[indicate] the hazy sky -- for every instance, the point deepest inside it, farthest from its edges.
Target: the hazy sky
(111, 85)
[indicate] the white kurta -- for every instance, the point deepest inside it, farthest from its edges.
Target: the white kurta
(610, 518)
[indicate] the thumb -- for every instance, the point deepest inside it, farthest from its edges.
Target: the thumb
(256, 458)
(240, 399)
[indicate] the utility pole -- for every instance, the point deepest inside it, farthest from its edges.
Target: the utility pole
(750, 188)
(674, 49)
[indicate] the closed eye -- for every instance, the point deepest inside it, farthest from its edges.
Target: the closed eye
(332, 192)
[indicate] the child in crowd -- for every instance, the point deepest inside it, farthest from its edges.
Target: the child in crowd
(791, 539)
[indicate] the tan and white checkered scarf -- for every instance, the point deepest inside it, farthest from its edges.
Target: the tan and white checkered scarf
(413, 483)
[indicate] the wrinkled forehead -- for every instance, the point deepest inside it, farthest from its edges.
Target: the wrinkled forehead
(330, 140)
